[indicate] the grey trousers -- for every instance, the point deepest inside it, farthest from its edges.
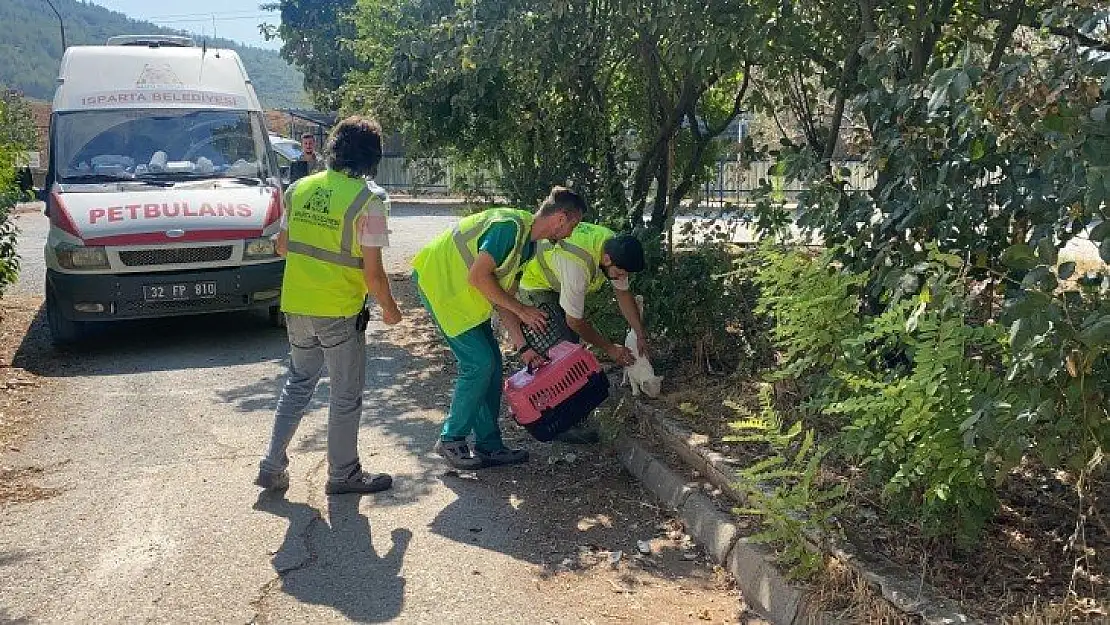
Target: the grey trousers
(314, 342)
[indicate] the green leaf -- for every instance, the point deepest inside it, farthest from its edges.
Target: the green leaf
(1099, 232)
(1019, 256)
(1104, 250)
(1066, 270)
(1096, 334)
(1046, 251)
(978, 149)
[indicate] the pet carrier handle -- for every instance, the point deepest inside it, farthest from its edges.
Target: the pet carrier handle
(533, 370)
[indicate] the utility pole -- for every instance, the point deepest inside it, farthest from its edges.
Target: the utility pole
(61, 25)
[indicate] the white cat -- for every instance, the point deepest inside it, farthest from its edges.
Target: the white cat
(640, 375)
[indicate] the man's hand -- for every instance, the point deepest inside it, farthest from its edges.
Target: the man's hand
(642, 345)
(532, 359)
(391, 315)
(532, 317)
(620, 354)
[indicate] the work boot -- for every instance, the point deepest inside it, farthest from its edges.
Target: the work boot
(271, 480)
(458, 455)
(502, 456)
(360, 482)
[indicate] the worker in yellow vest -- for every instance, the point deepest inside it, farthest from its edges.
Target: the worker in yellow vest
(332, 235)
(561, 274)
(462, 276)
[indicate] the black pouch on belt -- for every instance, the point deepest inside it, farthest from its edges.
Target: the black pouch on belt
(363, 317)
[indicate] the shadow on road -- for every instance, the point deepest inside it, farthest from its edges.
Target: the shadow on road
(174, 343)
(332, 561)
(405, 396)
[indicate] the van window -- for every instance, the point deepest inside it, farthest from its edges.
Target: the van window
(172, 143)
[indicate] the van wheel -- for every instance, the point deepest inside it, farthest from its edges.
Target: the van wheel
(63, 332)
(277, 318)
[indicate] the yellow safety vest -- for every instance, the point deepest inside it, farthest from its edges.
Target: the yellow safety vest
(323, 266)
(443, 268)
(584, 245)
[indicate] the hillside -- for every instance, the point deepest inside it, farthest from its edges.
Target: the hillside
(30, 53)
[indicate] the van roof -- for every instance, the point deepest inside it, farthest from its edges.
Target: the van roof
(116, 76)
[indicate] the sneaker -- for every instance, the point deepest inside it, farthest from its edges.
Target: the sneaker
(502, 456)
(270, 480)
(457, 454)
(360, 482)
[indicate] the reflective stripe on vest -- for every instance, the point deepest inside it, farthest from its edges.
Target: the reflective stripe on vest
(463, 239)
(344, 257)
(572, 249)
(443, 266)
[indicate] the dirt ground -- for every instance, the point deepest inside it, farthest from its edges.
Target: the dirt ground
(1020, 572)
(586, 510)
(591, 528)
(22, 396)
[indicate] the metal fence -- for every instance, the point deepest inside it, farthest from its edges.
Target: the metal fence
(732, 181)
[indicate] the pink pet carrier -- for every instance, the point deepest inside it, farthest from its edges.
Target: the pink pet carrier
(559, 394)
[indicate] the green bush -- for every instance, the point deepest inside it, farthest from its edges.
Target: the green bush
(699, 308)
(934, 401)
(16, 137)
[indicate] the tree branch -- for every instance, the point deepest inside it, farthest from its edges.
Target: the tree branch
(851, 66)
(1006, 34)
(867, 18)
(1086, 41)
(930, 34)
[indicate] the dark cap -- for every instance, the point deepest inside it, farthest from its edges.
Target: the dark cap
(626, 252)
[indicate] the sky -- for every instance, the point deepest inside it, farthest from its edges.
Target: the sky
(233, 19)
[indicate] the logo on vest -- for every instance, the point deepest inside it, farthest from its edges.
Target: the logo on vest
(316, 210)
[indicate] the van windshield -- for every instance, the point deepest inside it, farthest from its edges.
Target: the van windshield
(158, 143)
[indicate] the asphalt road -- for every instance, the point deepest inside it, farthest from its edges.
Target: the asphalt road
(151, 444)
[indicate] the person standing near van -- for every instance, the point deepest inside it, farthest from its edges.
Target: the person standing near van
(308, 153)
(332, 236)
(461, 276)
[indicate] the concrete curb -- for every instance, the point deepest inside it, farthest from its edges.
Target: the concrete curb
(765, 588)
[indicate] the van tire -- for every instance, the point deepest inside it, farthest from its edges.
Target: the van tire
(277, 318)
(63, 332)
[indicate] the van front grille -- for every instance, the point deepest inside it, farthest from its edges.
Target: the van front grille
(175, 256)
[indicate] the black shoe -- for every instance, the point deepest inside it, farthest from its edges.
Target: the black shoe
(360, 482)
(502, 456)
(458, 455)
(272, 481)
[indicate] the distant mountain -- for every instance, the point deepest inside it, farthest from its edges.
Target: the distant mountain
(30, 49)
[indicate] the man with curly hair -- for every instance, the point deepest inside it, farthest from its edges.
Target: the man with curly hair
(332, 234)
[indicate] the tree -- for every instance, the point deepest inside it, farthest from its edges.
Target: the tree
(550, 92)
(315, 36)
(990, 140)
(17, 135)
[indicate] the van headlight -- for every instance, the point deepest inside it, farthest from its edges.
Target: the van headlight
(257, 249)
(80, 257)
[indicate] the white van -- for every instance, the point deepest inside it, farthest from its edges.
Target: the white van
(162, 188)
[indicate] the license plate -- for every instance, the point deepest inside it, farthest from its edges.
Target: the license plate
(172, 292)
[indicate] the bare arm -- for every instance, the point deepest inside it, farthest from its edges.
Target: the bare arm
(377, 283)
(512, 323)
(619, 353)
(482, 277)
(631, 311)
(281, 243)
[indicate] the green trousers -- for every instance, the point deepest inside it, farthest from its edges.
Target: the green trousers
(476, 402)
